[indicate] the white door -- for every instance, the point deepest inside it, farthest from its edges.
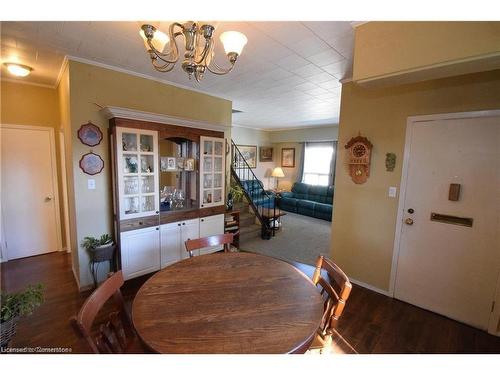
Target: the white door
(29, 191)
(447, 268)
(140, 252)
(211, 226)
(170, 240)
(190, 230)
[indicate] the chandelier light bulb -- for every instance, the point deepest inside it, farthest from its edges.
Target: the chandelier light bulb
(18, 70)
(233, 42)
(159, 41)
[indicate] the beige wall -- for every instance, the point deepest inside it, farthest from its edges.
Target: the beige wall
(312, 134)
(256, 137)
(25, 104)
(91, 87)
(383, 49)
(364, 216)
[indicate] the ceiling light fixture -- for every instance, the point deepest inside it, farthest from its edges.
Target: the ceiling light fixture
(18, 70)
(199, 45)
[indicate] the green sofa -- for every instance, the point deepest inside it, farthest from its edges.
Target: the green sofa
(310, 200)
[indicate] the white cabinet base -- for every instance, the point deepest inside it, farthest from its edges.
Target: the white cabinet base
(140, 252)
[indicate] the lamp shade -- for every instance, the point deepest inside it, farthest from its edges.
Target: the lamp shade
(233, 41)
(160, 39)
(277, 172)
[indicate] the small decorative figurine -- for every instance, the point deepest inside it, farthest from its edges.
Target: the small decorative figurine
(390, 161)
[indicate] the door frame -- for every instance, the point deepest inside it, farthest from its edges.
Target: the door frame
(53, 163)
(411, 122)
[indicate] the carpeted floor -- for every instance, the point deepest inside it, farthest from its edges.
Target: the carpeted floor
(301, 239)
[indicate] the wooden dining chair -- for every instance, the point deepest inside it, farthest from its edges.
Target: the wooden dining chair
(335, 289)
(116, 334)
(219, 239)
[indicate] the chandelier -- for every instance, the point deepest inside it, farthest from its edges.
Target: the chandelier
(199, 45)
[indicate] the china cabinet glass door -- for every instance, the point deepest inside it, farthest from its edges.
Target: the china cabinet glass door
(137, 172)
(212, 176)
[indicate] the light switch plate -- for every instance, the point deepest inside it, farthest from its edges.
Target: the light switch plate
(91, 184)
(393, 191)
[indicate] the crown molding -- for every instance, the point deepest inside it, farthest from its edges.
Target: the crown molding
(10, 80)
(140, 75)
(132, 114)
(61, 71)
(356, 24)
(305, 127)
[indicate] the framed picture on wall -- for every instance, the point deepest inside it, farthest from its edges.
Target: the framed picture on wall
(288, 157)
(249, 153)
(266, 154)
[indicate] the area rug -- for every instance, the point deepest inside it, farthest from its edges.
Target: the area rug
(301, 239)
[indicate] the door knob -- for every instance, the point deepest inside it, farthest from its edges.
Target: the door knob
(48, 198)
(409, 221)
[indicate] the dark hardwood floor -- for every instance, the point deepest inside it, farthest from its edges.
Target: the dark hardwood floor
(372, 323)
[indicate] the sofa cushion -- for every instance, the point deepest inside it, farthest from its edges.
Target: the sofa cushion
(289, 202)
(305, 207)
(322, 207)
(300, 190)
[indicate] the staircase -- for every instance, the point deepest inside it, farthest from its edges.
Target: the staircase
(263, 203)
(248, 228)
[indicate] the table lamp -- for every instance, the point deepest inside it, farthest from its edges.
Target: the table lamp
(277, 173)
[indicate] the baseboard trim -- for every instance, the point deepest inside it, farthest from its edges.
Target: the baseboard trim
(371, 287)
(76, 277)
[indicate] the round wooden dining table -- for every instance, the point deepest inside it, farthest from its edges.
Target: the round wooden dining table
(228, 303)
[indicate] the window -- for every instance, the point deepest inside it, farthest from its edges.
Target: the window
(318, 159)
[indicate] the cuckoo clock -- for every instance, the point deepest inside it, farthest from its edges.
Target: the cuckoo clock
(359, 153)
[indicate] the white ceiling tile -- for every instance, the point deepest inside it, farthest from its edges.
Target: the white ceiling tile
(327, 57)
(320, 78)
(307, 71)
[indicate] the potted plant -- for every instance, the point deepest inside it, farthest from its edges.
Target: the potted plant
(236, 194)
(100, 249)
(16, 305)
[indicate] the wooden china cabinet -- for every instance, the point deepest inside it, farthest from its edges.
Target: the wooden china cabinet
(168, 187)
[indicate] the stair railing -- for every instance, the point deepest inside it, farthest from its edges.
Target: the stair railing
(262, 202)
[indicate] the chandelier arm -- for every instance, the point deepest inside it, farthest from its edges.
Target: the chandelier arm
(167, 67)
(162, 56)
(173, 52)
(220, 71)
(206, 49)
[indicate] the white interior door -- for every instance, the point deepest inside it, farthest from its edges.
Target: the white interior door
(447, 268)
(29, 191)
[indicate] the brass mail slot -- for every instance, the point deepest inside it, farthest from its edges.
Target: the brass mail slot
(449, 219)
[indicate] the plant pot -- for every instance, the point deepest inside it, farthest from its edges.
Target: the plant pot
(7, 331)
(102, 253)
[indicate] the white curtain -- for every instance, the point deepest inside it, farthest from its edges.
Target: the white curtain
(318, 161)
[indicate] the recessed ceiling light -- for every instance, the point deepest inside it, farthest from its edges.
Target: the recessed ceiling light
(18, 70)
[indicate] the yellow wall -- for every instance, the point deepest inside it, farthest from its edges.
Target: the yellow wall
(24, 104)
(364, 217)
(91, 86)
(388, 48)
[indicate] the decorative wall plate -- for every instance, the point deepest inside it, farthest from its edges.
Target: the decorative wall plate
(90, 134)
(91, 163)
